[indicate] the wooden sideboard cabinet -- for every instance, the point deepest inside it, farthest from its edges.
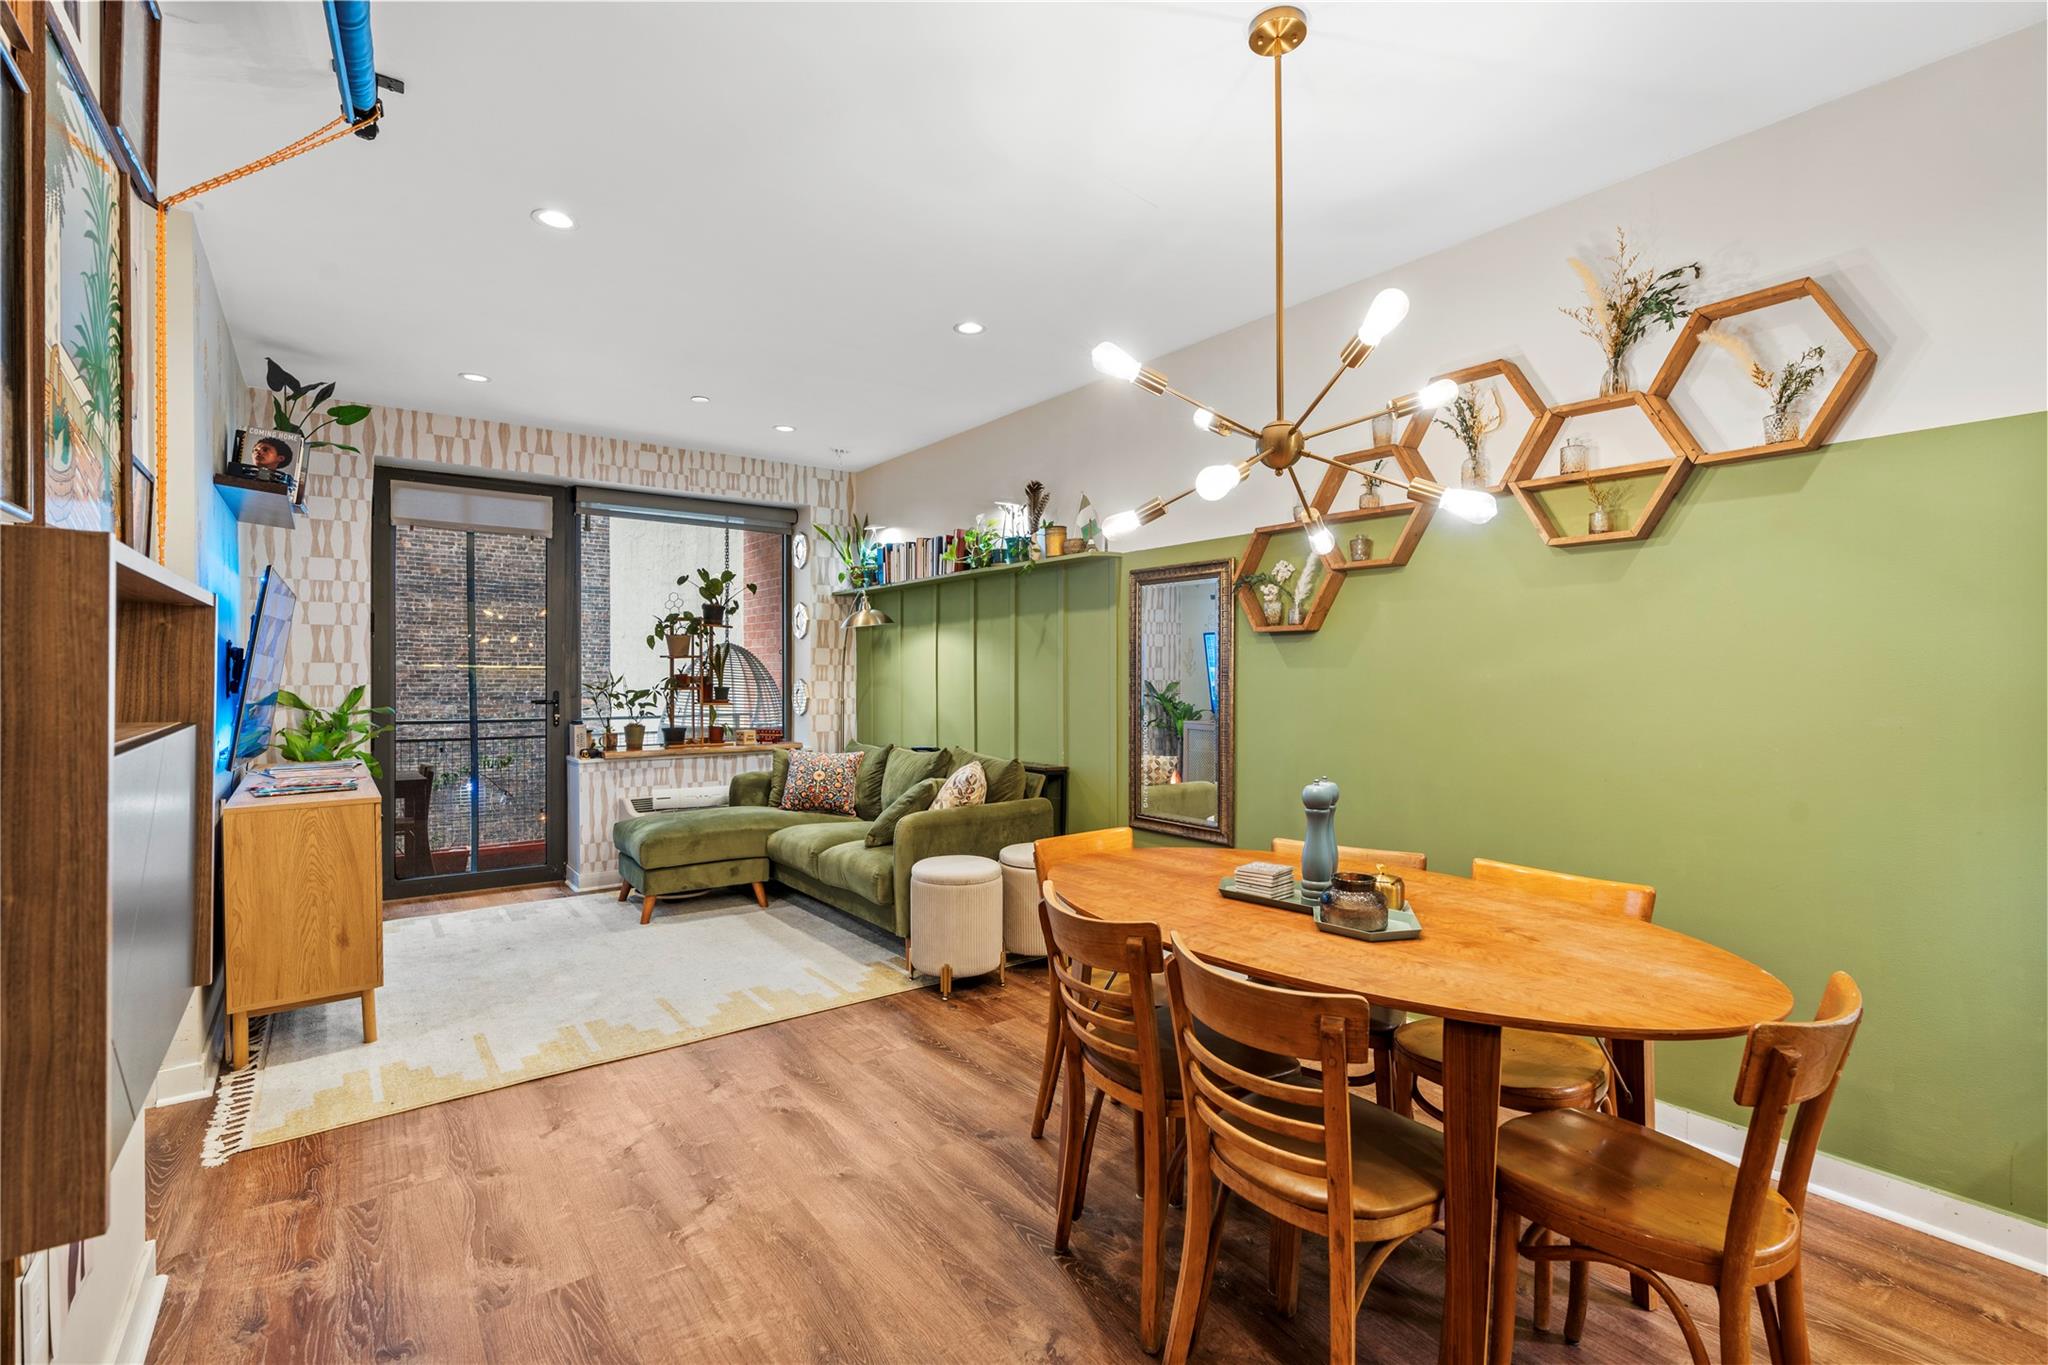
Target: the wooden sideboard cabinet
(304, 908)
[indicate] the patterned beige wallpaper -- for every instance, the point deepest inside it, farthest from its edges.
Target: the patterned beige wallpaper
(326, 558)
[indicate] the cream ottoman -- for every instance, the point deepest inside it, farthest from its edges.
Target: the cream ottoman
(1022, 933)
(956, 919)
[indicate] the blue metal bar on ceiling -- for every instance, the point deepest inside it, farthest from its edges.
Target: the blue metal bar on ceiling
(355, 67)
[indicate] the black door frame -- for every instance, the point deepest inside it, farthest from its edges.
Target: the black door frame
(561, 682)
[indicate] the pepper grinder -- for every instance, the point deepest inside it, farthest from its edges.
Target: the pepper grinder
(1319, 841)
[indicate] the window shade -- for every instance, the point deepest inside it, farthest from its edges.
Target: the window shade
(472, 509)
(742, 516)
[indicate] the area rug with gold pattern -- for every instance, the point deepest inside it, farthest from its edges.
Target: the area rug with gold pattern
(478, 999)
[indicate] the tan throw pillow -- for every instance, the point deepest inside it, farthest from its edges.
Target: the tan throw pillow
(824, 783)
(967, 787)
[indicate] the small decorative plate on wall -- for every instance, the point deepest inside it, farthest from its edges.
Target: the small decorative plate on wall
(800, 550)
(800, 697)
(800, 620)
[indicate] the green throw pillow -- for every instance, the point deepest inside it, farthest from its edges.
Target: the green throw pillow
(778, 776)
(908, 767)
(919, 797)
(1005, 775)
(874, 758)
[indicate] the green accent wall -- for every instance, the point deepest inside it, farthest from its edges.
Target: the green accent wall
(1018, 663)
(1810, 710)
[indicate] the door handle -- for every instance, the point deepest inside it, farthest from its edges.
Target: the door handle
(553, 701)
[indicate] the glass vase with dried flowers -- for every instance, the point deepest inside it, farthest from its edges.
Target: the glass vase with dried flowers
(1605, 515)
(1619, 310)
(1787, 387)
(1370, 498)
(1471, 417)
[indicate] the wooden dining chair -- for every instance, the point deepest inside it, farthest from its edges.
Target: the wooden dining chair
(1631, 1197)
(1539, 1071)
(1380, 1071)
(1048, 854)
(1307, 1151)
(1290, 849)
(1119, 1044)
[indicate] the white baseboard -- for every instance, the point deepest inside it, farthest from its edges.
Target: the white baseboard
(192, 1063)
(2017, 1241)
(604, 879)
(146, 1299)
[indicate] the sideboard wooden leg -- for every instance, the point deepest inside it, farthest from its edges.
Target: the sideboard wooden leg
(369, 1016)
(238, 1035)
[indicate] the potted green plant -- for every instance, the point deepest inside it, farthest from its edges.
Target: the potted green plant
(307, 410)
(980, 545)
(329, 736)
(675, 629)
(719, 599)
(604, 695)
(854, 543)
(672, 734)
(1170, 713)
(636, 702)
(720, 652)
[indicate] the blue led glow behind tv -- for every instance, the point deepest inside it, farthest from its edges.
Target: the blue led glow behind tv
(1209, 654)
(270, 631)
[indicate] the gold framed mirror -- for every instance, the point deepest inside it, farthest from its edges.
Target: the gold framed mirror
(1182, 735)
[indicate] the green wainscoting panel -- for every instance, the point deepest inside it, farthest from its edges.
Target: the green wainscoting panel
(1809, 711)
(1007, 661)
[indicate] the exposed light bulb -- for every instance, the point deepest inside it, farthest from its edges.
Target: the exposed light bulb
(1216, 482)
(1436, 393)
(1389, 306)
(1204, 419)
(1120, 523)
(1114, 361)
(1321, 538)
(1473, 504)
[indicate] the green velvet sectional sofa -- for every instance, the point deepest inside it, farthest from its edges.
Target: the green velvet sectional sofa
(750, 841)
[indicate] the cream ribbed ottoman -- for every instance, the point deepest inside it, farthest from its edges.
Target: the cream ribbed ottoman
(956, 919)
(1022, 933)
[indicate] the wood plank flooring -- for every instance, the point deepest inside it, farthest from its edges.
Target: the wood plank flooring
(857, 1185)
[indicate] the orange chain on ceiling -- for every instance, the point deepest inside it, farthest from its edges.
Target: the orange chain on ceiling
(319, 137)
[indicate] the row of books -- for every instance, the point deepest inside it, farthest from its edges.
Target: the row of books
(924, 557)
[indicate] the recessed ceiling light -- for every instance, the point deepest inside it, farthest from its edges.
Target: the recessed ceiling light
(473, 377)
(968, 329)
(554, 218)
(699, 398)
(780, 427)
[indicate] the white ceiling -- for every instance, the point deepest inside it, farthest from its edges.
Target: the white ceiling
(786, 207)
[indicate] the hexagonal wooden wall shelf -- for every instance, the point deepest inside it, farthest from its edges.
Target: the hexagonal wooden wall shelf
(1534, 441)
(1248, 598)
(1672, 471)
(1846, 385)
(1414, 515)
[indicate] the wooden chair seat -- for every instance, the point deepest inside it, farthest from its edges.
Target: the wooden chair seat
(1609, 1183)
(1397, 1164)
(1537, 1070)
(1237, 1054)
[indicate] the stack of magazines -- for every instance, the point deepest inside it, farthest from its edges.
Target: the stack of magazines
(305, 779)
(1266, 879)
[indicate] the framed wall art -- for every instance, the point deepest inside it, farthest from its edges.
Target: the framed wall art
(16, 123)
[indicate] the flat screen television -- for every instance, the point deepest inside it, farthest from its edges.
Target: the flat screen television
(270, 630)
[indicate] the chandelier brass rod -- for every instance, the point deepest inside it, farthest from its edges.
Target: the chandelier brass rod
(1231, 422)
(1307, 508)
(1352, 468)
(1325, 393)
(1279, 262)
(1325, 431)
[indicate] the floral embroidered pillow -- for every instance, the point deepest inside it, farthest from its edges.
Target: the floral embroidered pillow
(826, 783)
(967, 787)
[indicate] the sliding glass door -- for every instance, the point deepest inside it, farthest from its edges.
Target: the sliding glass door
(473, 635)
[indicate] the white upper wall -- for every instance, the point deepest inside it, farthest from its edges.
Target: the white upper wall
(1918, 203)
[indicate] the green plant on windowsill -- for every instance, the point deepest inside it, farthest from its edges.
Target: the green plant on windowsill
(329, 736)
(675, 625)
(606, 696)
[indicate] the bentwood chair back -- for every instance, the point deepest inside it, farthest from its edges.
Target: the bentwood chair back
(1290, 849)
(1628, 898)
(1381, 1072)
(1311, 1155)
(1101, 978)
(1048, 854)
(1631, 1197)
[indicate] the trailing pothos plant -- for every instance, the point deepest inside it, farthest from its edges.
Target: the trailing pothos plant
(307, 410)
(327, 736)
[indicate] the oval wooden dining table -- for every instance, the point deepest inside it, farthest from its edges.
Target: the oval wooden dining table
(1489, 957)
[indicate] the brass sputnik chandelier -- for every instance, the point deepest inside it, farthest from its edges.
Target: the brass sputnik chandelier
(1282, 444)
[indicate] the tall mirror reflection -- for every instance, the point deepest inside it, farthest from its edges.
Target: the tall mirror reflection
(1180, 724)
